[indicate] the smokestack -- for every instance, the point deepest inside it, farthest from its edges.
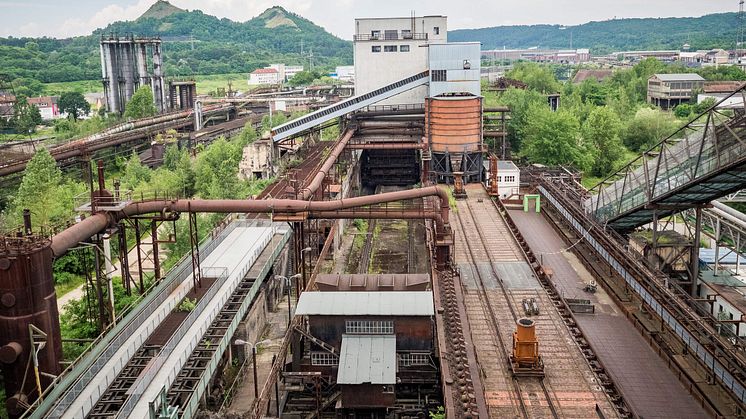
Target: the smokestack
(27, 222)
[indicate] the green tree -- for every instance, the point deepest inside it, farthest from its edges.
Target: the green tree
(701, 107)
(683, 110)
(25, 116)
(537, 77)
(135, 173)
(553, 138)
(74, 104)
(520, 103)
(41, 191)
(601, 134)
(647, 128)
(141, 104)
(216, 171)
(304, 78)
(248, 135)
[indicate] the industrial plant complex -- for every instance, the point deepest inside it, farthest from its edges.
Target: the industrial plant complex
(400, 260)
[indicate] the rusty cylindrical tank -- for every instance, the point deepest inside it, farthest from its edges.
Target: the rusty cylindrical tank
(525, 345)
(454, 124)
(27, 298)
(453, 128)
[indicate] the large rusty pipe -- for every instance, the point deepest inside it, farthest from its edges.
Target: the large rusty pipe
(378, 214)
(70, 237)
(120, 134)
(92, 225)
(387, 146)
(317, 180)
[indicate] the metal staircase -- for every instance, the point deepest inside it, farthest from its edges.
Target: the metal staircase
(346, 106)
(323, 345)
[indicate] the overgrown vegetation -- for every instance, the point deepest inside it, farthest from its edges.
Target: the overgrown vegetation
(599, 125)
(709, 31)
(195, 43)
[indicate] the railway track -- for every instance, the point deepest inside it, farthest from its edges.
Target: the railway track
(530, 396)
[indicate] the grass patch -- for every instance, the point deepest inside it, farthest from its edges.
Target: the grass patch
(206, 84)
(67, 286)
(82, 86)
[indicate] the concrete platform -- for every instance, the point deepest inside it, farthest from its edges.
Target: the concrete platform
(650, 388)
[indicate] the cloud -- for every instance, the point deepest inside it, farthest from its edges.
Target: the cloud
(337, 16)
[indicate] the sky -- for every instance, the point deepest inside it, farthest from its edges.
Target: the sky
(64, 18)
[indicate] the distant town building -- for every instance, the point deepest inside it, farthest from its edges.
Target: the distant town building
(7, 102)
(345, 73)
(96, 100)
(669, 90)
(286, 72)
(717, 57)
(264, 76)
(569, 56)
(47, 107)
(390, 49)
(719, 90)
(665, 55)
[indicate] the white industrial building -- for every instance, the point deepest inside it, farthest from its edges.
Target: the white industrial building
(508, 178)
(345, 73)
(286, 72)
(264, 76)
(390, 49)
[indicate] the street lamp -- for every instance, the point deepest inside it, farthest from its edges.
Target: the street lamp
(288, 283)
(253, 352)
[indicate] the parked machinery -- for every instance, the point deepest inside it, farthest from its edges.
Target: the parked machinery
(525, 359)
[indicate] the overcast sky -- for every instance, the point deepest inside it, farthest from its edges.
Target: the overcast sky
(63, 18)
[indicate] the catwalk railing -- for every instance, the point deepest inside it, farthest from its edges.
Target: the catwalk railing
(700, 162)
(721, 353)
(69, 385)
(346, 106)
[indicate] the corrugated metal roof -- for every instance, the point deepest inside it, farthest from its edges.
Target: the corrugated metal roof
(506, 165)
(367, 359)
(361, 303)
(680, 77)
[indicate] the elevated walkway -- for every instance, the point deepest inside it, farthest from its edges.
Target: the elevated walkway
(306, 122)
(232, 252)
(703, 161)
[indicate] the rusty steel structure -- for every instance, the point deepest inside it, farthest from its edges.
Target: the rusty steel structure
(140, 130)
(453, 130)
(691, 325)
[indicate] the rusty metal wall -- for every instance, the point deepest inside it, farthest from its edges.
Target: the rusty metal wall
(27, 297)
(454, 125)
(412, 333)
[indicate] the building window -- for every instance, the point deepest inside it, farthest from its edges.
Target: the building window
(369, 327)
(324, 359)
(439, 75)
(436, 30)
(406, 34)
(404, 48)
(389, 48)
(408, 360)
(375, 48)
(499, 178)
(391, 34)
(375, 34)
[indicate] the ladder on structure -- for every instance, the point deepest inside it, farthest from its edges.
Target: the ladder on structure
(346, 106)
(325, 346)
